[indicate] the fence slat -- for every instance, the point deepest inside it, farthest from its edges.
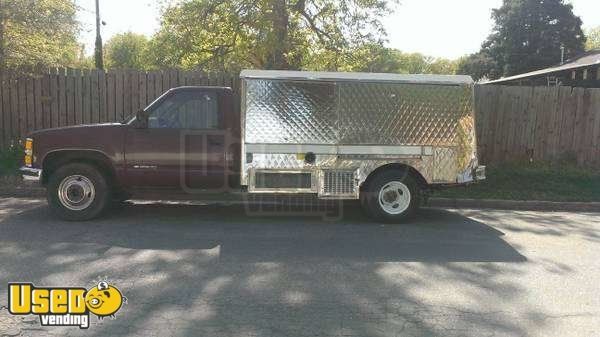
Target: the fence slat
(77, 97)
(23, 113)
(110, 97)
(143, 87)
(594, 156)
(46, 101)
(62, 101)
(102, 108)
(120, 89)
(70, 97)
(16, 112)
(95, 97)
(37, 103)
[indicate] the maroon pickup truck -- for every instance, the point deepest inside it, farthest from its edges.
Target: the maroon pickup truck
(85, 167)
(383, 139)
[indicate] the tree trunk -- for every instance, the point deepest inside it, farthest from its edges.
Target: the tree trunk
(279, 36)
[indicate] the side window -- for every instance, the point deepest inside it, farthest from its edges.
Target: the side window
(186, 110)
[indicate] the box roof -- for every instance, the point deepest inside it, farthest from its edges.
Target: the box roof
(356, 77)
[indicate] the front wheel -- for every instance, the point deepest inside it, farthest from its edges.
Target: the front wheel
(77, 192)
(392, 196)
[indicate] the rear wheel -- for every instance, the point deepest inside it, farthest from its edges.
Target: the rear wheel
(392, 196)
(78, 192)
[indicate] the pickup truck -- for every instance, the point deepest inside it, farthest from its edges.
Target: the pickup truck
(382, 139)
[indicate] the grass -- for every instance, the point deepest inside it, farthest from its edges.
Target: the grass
(10, 160)
(541, 182)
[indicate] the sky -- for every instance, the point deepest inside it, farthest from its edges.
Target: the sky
(440, 28)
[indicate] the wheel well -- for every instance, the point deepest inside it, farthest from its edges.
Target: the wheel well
(54, 160)
(398, 167)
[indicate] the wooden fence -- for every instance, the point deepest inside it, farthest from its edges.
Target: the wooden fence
(538, 124)
(69, 97)
(514, 123)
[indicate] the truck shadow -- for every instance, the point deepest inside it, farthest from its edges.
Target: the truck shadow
(434, 236)
(215, 271)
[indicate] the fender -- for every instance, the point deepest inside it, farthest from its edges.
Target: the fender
(56, 158)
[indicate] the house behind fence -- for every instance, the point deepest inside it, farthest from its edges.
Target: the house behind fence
(513, 123)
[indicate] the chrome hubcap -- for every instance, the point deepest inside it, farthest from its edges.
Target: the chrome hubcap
(76, 192)
(394, 197)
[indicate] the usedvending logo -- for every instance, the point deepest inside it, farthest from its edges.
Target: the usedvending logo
(65, 306)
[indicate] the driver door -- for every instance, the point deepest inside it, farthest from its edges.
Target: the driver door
(183, 145)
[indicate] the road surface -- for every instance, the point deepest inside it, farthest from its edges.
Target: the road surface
(226, 271)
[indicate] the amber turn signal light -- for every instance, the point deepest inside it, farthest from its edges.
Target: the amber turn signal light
(28, 152)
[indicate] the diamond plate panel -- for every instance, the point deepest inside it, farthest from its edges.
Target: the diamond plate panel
(287, 112)
(445, 167)
(362, 113)
(401, 114)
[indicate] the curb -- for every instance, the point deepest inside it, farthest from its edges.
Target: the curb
(517, 205)
(520, 205)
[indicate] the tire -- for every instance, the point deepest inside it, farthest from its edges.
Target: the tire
(392, 196)
(78, 192)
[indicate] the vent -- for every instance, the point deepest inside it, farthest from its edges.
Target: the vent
(338, 183)
(278, 180)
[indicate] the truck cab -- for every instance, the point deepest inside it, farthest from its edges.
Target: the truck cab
(187, 141)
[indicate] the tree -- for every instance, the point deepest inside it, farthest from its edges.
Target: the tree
(593, 38)
(127, 51)
(268, 34)
(38, 33)
(528, 35)
(479, 66)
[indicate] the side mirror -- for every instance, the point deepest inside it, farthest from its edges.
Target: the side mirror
(141, 121)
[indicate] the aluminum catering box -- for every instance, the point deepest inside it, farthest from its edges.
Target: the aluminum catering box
(325, 133)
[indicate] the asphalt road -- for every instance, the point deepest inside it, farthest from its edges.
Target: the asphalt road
(219, 271)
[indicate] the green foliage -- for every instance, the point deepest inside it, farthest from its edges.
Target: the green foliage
(479, 66)
(528, 35)
(538, 181)
(10, 160)
(38, 33)
(127, 51)
(593, 38)
(266, 34)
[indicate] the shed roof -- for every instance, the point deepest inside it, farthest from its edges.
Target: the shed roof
(587, 59)
(358, 77)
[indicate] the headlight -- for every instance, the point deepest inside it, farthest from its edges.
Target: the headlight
(28, 152)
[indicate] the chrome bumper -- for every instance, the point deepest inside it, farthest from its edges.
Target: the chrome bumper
(31, 174)
(472, 175)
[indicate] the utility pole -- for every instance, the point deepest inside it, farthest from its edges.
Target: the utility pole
(98, 55)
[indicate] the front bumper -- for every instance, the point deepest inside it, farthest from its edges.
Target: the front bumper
(479, 173)
(472, 175)
(31, 174)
